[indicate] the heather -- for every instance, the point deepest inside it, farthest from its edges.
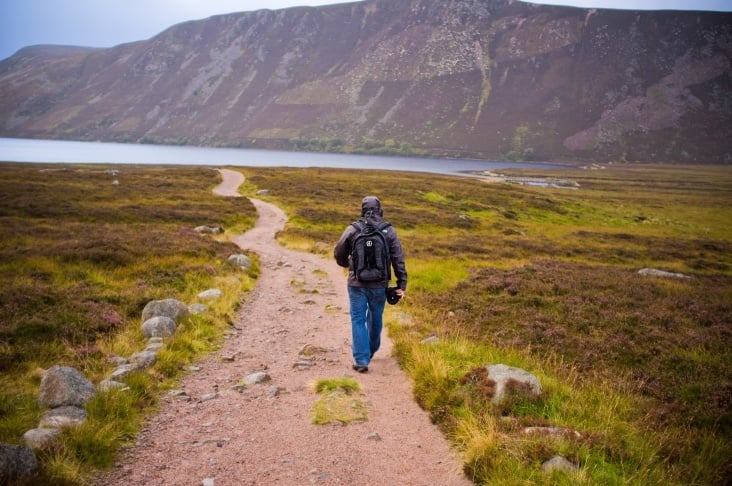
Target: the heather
(541, 278)
(547, 279)
(84, 248)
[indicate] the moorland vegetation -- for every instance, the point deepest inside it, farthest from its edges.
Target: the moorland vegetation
(84, 248)
(541, 278)
(547, 279)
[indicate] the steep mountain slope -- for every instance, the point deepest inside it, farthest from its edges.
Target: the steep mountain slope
(481, 78)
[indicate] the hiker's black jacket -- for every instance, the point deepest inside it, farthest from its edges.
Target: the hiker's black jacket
(342, 254)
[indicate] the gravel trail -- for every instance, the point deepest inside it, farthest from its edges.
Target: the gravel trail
(264, 434)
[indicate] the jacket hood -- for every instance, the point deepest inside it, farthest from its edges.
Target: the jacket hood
(371, 207)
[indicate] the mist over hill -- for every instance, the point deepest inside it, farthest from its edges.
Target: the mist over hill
(463, 78)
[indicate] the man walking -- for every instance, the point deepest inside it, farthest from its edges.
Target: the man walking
(369, 248)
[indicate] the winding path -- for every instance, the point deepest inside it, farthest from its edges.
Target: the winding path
(264, 434)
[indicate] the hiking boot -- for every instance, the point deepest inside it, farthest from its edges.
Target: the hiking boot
(360, 368)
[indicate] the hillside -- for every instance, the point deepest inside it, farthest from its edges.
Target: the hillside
(473, 78)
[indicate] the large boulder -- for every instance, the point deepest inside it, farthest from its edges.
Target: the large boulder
(63, 417)
(172, 308)
(16, 463)
(64, 386)
(143, 359)
(508, 378)
(40, 438)
(241, 261)
(159, 326)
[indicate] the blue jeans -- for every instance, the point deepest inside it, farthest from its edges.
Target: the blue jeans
(367, 309)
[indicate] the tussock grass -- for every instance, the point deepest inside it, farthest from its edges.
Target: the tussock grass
(79, 259)
(546, 279)
(339, 403)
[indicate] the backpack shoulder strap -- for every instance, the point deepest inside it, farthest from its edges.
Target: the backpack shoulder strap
(383, 225)
(359, 225)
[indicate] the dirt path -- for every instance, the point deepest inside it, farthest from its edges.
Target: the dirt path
(264, 434)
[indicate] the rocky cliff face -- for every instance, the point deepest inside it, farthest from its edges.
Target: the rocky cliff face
(481, 78)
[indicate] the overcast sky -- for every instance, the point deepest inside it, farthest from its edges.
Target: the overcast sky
(106, 23)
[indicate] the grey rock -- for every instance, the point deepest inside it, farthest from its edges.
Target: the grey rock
(121, 372)
(262, 192)
(172, 308)
(430, 340)
(209, 229)
(63, 417)
(273, 391)
(143, 359)
(210, 294)
(652, 272)
(503, 374)
(257, 378)
(303, 364)
(154, 347)
(16, 462)
(40, 438)
(242, 261)
(558, 463)
(158, 326)
(109, 385)
(197, 309)
(63, 385)
(117, 360)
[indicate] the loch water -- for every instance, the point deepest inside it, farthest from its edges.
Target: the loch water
(58, 151)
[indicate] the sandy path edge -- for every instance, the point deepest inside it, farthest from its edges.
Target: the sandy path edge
(264, 434)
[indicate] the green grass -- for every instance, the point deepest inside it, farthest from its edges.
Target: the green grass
(546, 279)
(339, 403)
(79, 259)
(540, 278)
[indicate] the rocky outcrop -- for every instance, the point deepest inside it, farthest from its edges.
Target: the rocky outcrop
(481, 78)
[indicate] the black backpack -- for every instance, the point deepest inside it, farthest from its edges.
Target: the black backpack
(370, 253)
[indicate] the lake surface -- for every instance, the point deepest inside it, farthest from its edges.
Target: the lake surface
(57, 151)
